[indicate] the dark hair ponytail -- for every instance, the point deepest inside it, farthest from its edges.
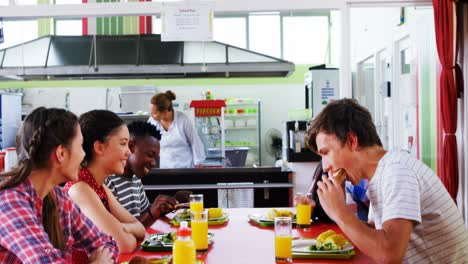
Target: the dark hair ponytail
(97, 125)
(42, 131)
(163, 101)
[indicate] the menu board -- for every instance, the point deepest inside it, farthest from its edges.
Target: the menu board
(192, 21)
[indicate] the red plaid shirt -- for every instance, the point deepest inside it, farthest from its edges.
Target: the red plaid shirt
(22, 235)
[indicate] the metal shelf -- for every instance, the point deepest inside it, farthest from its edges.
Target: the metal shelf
(241, 115)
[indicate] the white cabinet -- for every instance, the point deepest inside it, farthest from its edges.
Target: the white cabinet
(242, 126)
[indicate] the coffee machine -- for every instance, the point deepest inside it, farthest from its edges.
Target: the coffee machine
(294, 142)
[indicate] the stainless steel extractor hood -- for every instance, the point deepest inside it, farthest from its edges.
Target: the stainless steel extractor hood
(132, 56)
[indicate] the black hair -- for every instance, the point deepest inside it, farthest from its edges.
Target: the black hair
(41, 132)
(141, 129)
(340, 117)
(97, 125)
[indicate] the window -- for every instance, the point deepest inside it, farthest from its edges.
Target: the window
(335, 38)
(17, 32)
(305, 39)
(70, 27)
(26, 2)
(67, 2)
(156, 29)
(230, 30)
(265, 34)
(406, 58)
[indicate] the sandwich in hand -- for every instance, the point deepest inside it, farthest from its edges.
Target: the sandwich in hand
(340, 175)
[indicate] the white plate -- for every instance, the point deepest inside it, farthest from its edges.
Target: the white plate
(302, 246)
(260, 217)
(225, 216)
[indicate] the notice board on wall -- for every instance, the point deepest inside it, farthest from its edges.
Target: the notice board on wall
(192, 21)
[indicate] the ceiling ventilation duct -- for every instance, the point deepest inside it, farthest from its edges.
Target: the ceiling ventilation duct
(132, 56)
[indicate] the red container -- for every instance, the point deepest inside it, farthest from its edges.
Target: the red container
(2, 160)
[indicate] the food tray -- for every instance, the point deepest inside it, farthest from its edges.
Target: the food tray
(211, 221)
(263, 221)
(162, 242)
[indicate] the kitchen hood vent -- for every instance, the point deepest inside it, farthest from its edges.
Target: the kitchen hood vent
(132, 56)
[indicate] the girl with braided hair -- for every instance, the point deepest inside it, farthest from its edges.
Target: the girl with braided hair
(38, 221)
(105, 143)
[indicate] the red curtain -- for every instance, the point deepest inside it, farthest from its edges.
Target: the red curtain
(446, 38)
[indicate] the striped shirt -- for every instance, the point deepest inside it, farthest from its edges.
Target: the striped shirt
(129, 192)
(404, 187)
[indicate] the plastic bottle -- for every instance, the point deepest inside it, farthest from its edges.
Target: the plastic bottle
(2, 160)
(11, 159)
(184, 249)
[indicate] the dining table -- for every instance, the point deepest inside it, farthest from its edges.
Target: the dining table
(240, 240)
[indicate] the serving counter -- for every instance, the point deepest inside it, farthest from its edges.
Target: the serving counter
(271, 186)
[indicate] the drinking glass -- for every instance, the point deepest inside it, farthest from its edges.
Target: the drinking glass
(199, 224)
(283, 239)
(303, 209)
(196, 202)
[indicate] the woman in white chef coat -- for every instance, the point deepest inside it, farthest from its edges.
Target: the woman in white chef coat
(180, 145)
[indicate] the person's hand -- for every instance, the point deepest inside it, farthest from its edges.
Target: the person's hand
(162, 205)
(332, 197)
(183, 196)
(101, 255)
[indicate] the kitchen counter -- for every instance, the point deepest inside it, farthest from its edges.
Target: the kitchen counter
(270, 185)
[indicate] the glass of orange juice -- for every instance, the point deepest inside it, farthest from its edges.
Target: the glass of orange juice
(303, 209)
(283, 239)
(199, 224)
(196, 202)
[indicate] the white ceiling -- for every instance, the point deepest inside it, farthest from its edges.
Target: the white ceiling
(221, 6)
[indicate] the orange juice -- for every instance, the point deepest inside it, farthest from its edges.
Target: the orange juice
(184, 252)
(283, 247)
(200, 234)
(196, 206)
(303, 213)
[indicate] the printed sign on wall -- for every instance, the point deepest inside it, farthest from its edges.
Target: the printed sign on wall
(187, 21)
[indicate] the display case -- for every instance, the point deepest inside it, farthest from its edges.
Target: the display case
(242, 125)
(209, 122)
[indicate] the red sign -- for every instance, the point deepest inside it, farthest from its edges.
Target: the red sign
(208, 107)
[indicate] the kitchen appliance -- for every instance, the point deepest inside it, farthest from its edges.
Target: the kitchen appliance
(294, 142)
(321, 86)
(273, 143)
(135, 99)
(133, 56)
